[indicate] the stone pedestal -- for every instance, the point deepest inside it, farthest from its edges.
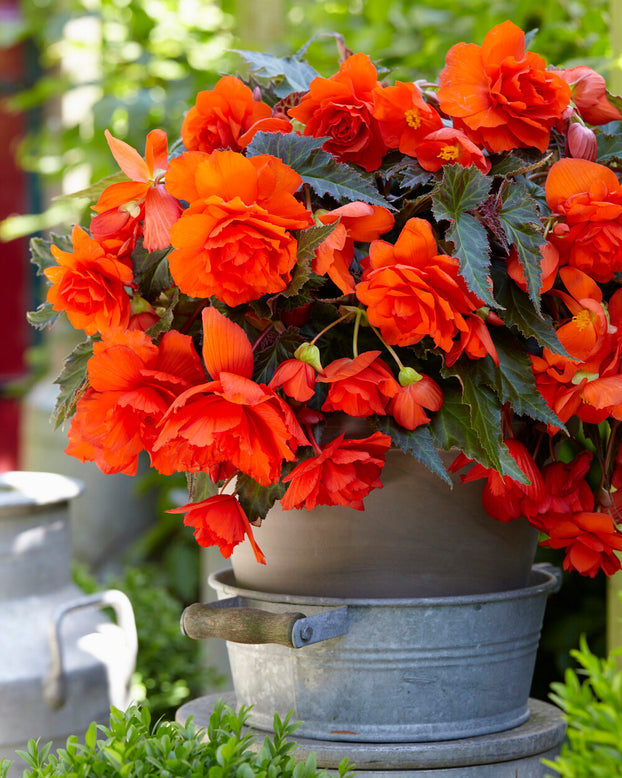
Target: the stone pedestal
(515, 753)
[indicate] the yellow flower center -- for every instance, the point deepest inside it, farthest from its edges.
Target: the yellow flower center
(449, 153)
(412, 118)
(582, 320)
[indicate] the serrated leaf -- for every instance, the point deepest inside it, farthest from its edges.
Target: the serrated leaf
(200, 487)
(308, 241)
(257, 500)
(151, 271)
(317, 168)
(40, 253)
(166, 315)
(457, 424)
(43, 317)
(520, 218)
(512, 380)
(72, 381)
(287, 74)
(94, 191)
(463, 189)
(417, 442)
(519, 312)
(609, 146)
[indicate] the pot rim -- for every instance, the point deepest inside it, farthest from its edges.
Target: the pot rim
(543, 579)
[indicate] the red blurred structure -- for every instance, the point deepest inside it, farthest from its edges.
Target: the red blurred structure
(14, 266)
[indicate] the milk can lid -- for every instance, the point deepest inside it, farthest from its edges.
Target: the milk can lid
(30, 488)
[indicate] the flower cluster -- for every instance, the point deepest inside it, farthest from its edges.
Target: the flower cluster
(439, 259)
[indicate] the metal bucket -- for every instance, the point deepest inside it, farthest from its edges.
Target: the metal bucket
(383, 670)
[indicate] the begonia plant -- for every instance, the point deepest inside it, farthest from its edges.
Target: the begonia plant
(440, 259)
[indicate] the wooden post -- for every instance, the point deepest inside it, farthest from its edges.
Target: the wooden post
(260, 23)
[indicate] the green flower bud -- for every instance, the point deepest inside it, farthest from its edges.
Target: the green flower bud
(408, 376)
(310, 354)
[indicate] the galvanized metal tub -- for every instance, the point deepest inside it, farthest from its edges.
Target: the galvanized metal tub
(406, 670)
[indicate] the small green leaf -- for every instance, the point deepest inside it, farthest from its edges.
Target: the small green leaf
(461, 190)
(284, 74)
(72, 381)
(257, 500)
(43, 317)
(609, 146)
(317, 168)
(40, 253)
(308, 241)
(200, 487)
(520, 218)
(417, 442)
(94, 191)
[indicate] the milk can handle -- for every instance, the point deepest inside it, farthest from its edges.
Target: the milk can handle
(54, 684)
(229, 620)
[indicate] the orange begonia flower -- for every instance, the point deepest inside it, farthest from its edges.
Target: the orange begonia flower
(132, 383)
(359, 387)
(297, 379)
(589, 94)
(449, 146)
(144, 197)
(549, 265)
(220, 521)
(357, 221)
(404, 117)
(410, 291)
(89, 285)
(475, 342)
(343, 473)
(589, 198)
(221, 115)
(341, 108)
(565, 491)
(408, 406)
(500, 95)
(503, 497)
(234, 240)
(587, 382)
(231, 419)
(590, 540)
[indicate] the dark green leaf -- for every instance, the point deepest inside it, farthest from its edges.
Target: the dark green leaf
(273, 352)
(609, 146)
(166, 315)
(317, 168)
(72, 381)
(286, 74)
(463, 414)
(512, 380)
(200, 487)
(519, 312)
(43, 317)
(520, 218)
(257, 500)
(462, 190)
(151, 271)
(40, 253)
(416, 442)
(308, 241)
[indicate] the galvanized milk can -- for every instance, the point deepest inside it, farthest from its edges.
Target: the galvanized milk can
(62, 662)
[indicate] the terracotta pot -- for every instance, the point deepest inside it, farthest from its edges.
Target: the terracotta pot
(417, 537)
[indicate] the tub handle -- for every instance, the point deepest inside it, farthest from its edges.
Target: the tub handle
(54, 683)
(229, 620)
